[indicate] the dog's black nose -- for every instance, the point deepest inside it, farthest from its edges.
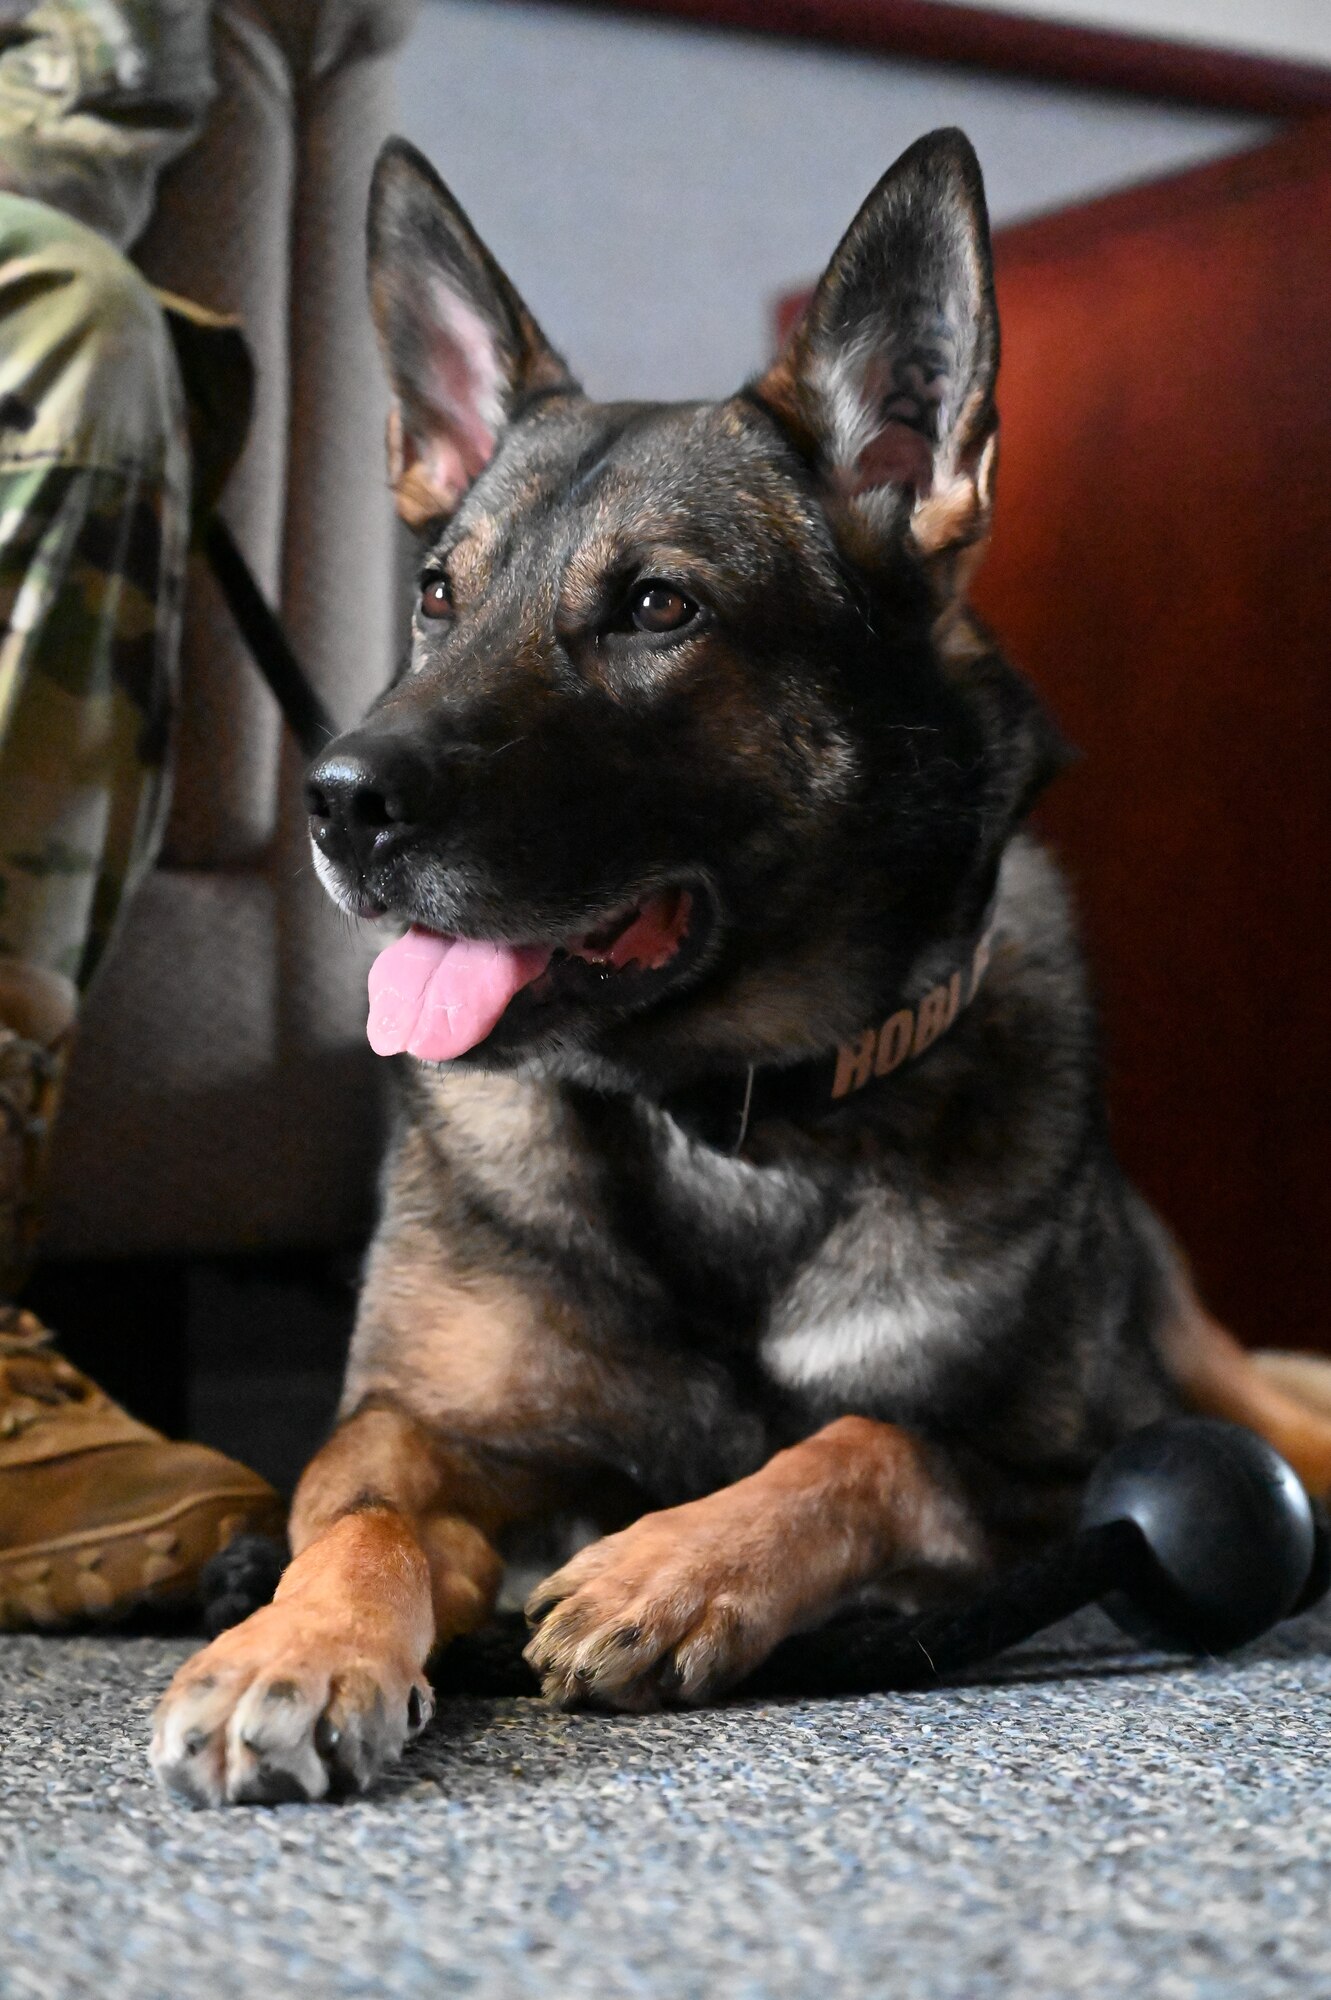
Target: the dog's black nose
(361, 800)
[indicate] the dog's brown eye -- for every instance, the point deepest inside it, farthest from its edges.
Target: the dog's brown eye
(435, 600)
(659, 607)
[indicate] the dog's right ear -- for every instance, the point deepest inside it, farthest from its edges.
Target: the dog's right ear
(462, 351)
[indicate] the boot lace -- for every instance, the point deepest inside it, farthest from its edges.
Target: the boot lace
(34, 1380)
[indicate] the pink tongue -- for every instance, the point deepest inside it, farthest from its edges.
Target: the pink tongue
(436, 997)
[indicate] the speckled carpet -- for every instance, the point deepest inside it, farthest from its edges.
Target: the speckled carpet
(1090, 1823)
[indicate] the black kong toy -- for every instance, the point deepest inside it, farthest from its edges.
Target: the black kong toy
(1194, 1535)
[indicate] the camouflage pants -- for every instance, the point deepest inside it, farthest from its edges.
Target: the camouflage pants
(94, 524)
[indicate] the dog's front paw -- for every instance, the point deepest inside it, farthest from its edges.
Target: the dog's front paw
(662, 1612)
(280, 1709)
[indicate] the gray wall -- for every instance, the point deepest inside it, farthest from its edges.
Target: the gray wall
(651, 187)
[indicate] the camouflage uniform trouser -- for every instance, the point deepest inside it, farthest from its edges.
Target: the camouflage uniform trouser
(94, 525)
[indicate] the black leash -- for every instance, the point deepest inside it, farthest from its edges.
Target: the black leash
(258, 624)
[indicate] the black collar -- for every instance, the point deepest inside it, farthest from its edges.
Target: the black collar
(723, 1110)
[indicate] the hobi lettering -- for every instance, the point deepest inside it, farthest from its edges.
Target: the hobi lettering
(910, 1030)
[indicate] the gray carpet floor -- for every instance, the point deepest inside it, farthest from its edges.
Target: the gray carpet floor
(1091, 1823)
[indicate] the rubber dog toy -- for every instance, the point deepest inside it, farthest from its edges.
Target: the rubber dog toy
(1194, 1534)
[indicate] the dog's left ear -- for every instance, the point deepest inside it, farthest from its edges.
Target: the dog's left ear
(462, 351)
(887, 382)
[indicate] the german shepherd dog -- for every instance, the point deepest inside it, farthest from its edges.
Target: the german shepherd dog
(751, 1195)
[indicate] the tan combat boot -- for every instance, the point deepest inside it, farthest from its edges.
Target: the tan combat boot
(98, 1514)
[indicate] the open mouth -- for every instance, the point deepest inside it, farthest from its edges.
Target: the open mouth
(437, 997)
